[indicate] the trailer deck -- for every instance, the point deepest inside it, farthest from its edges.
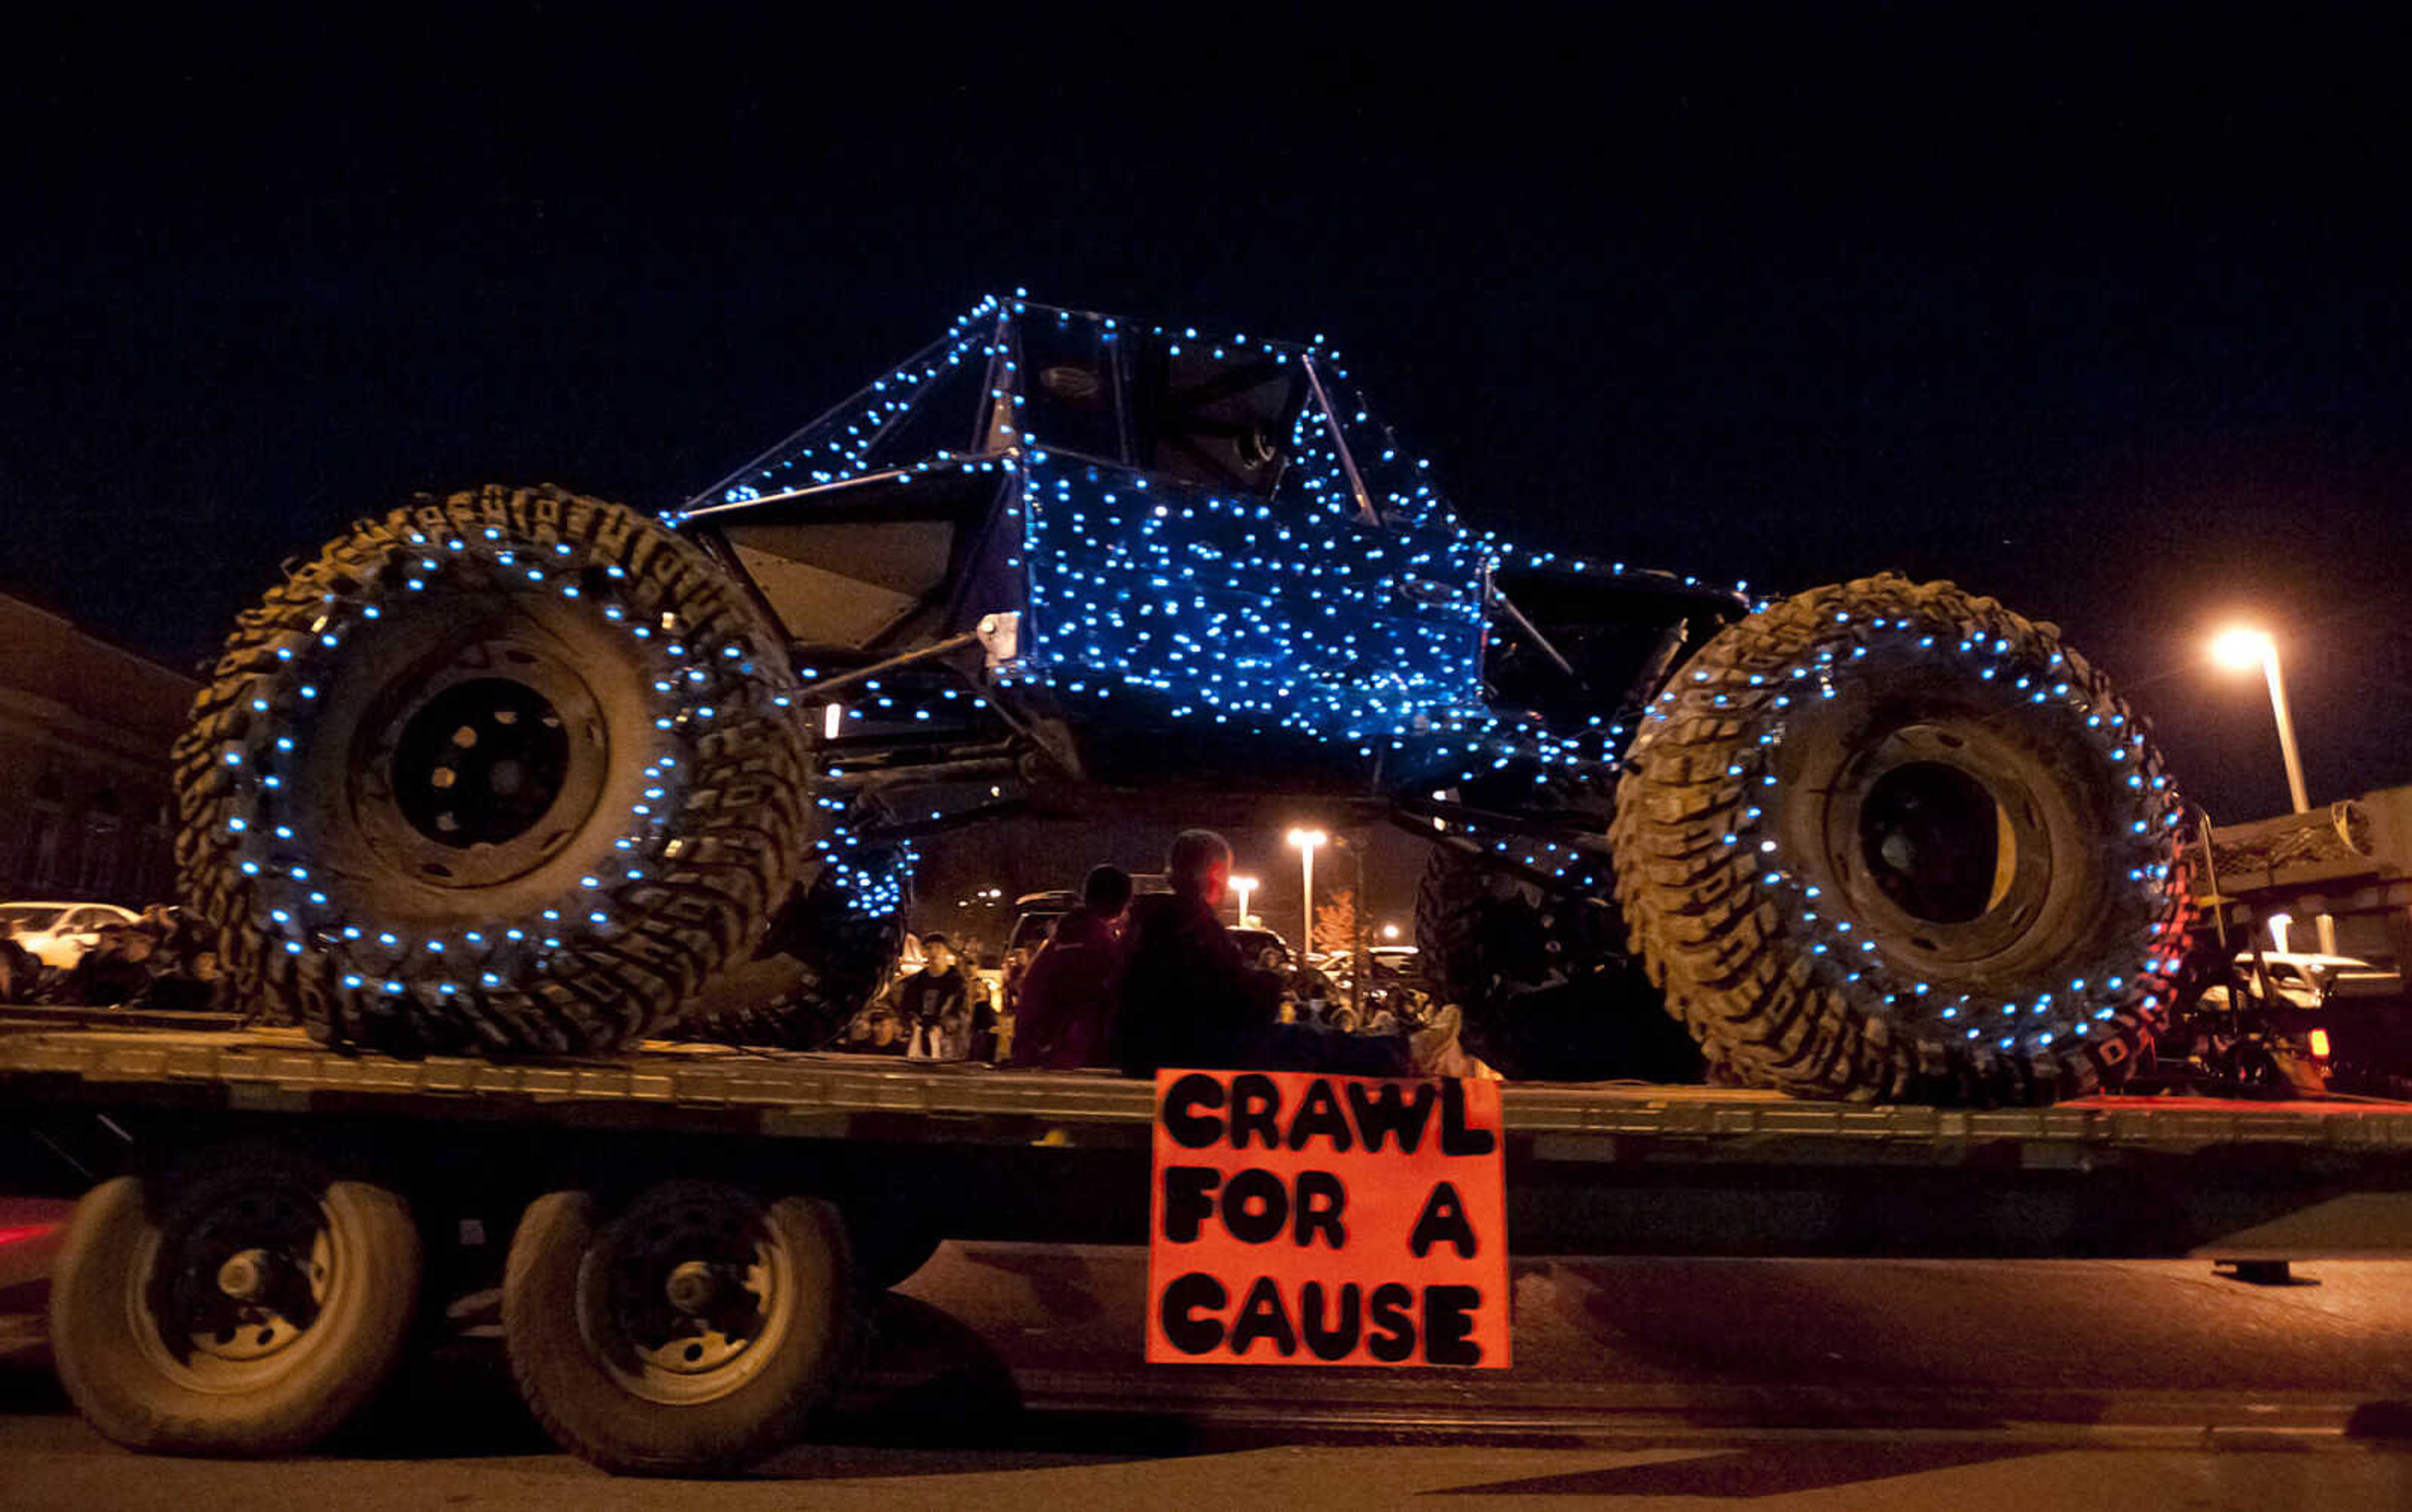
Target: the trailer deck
(791, 1093)
(1593, 1168)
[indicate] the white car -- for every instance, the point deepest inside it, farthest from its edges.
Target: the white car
(60, 933)
(2298, 978)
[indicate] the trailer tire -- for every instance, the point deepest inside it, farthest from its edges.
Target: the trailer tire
(1886, 840)
(629, 1373)
(143, 1263)
(509, 771)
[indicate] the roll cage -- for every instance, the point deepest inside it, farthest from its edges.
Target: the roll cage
(1216, 524)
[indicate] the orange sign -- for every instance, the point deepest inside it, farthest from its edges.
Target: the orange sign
(1311, 1219)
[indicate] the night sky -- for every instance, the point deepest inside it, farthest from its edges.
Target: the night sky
(2110, 324)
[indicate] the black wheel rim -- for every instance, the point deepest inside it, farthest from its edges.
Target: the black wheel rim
(480, 763)
(688, 1295)
(1936, 842)
(1942, 848)
(231, 1295)
(480, 768)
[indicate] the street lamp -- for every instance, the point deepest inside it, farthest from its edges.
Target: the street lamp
(1307, 841)
(1390, 932)
(1246, 888)
(2240, 649)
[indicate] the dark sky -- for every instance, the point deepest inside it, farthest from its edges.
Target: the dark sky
(2111, 323)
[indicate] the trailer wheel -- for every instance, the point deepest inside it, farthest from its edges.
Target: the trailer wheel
(250, 1306)
(513, 770)
(1886, 840)
(690, 1331)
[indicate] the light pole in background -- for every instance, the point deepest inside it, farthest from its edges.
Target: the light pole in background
(1307, 841)
(1246, 888)
(2240, 649)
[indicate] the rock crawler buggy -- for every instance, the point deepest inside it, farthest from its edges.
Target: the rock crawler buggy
(517, 771)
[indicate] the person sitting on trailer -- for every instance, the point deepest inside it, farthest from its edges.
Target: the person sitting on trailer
(113, 972)
(1189, 1000)
(1066, 998)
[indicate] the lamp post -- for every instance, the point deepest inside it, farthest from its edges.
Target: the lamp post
(1246, 888)
(1307, 841)
(2240, 649)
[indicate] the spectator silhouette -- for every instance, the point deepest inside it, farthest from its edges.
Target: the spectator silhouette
(114, 972)
(1067, 996)
(882, 1034)
(1187, 998)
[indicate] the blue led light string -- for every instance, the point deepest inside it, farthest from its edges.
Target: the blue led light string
(836, 446)
(694, 682)
(1844, 957)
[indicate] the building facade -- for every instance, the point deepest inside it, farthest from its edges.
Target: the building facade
(86, 810)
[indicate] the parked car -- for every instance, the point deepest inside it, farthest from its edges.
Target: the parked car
(2300, 978)
(1036, 913)
(60, 932)
(2304, 1024)
(1260, 947)
(1035, 916)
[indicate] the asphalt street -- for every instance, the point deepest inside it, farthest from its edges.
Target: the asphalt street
(1005, 1377)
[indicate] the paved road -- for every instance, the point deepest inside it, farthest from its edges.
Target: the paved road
(54, 1463)
(1004, 1379)
(1782, 1343)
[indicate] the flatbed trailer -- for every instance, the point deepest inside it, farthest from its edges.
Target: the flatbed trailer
(855, 1166)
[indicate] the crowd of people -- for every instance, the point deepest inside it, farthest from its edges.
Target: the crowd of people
(943, 1011)
(159, 961)
(1124, 982)
(1139, 983)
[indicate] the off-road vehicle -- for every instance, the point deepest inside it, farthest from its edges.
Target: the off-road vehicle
(518, 770)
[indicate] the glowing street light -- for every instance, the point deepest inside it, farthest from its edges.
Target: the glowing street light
(1307, 841)
(2240, 649)
(1246, 888)
(1390, 932)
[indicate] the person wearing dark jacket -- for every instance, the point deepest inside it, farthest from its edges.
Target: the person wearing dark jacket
(112, 973)
(1066, 998)
(935, 1004)
(1187, 999)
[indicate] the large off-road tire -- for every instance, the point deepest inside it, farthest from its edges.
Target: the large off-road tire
(1886, 840)
(688, 1330)
(513, 770)
(1542, 978)
(827, 954)
(245, 1303)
